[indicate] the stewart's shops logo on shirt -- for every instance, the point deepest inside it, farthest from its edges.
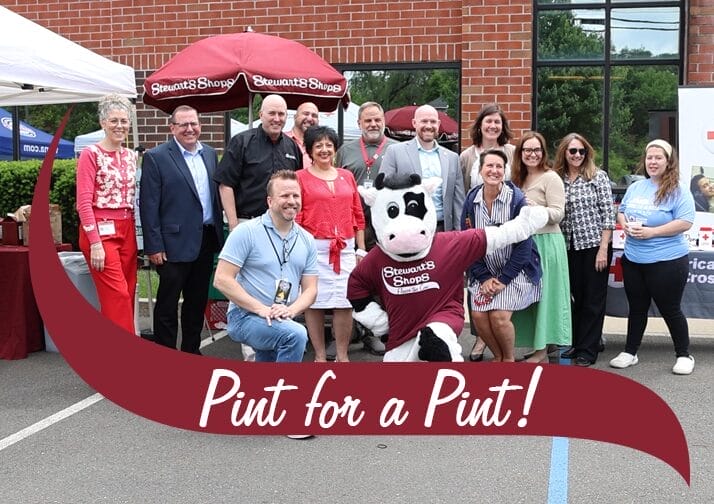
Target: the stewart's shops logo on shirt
(400, 281)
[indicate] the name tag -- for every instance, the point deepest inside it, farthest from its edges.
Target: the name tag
(106, 228)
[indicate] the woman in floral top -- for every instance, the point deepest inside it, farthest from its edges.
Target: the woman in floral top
(106, 182)
(587, 227)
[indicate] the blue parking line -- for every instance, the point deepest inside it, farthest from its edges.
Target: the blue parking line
(558, 479)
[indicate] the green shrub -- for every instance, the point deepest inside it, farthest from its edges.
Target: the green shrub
(17, 186)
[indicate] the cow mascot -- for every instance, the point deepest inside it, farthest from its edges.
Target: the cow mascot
(417, 274)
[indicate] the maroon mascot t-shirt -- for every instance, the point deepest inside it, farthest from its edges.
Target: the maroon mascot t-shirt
(416, 293)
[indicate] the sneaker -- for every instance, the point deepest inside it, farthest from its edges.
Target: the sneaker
(331, 350)
(248, 353)
(684, 365)
(373, 344)
(299, 436)
(624, 360)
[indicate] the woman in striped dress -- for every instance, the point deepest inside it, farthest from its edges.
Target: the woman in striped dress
(509, 278)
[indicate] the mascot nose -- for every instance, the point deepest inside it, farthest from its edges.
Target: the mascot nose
(393, 236)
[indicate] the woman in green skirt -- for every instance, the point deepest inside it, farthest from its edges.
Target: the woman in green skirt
(548, 321)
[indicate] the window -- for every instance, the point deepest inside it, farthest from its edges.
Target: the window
(609, 70)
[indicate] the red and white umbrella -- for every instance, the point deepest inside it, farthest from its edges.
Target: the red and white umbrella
(399, 123)
(225, 71)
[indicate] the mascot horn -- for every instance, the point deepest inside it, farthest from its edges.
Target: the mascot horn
(417, 274)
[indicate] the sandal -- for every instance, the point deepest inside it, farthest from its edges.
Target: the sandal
(475, 356)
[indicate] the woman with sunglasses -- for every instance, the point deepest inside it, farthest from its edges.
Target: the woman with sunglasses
(587, 227)
(548, 321)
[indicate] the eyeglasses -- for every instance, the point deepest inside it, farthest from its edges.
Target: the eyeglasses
(185, 125)
(530, 151)
(116, 122)
(573, 151)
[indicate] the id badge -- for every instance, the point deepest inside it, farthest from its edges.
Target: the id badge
(367, 184)
(282, 292)
(106, 228)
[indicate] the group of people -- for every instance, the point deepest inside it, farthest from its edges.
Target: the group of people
(550, 291)
(298, 227)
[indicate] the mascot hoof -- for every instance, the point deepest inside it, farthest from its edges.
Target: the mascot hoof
(432, 348)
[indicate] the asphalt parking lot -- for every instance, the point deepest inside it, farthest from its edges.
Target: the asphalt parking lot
(101, 453)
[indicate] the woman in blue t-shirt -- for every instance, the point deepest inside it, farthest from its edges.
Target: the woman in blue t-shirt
(655, 212)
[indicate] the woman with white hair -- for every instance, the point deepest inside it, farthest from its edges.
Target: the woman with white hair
(106, 182)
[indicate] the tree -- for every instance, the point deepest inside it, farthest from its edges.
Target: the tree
(47, 117)
(570, 97)
(397, 88)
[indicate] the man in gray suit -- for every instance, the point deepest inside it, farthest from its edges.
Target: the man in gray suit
(425, 157)
(182, 224)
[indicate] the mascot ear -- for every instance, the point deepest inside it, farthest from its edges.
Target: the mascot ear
(431, 184)
(379, 181)
(368, 195)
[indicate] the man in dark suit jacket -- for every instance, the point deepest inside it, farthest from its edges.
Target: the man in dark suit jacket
(182, 225)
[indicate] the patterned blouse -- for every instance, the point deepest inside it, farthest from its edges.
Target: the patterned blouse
(105, 181)
(588, 211)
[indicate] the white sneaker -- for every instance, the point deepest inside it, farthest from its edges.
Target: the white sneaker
(374, 345)
(299, 436)
(684, 365)
(624, 360)
(248, 353)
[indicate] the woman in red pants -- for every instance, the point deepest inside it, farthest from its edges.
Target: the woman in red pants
(106, 182)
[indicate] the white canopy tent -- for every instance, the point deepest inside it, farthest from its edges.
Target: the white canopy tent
(38, 66)
(82, 141)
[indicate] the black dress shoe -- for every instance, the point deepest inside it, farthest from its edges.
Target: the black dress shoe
(583, 362)
(476, 357)
(570, 353)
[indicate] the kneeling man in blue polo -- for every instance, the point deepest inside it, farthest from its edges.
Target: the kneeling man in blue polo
(268, 271)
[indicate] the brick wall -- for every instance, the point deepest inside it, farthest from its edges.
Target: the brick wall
(700, 59)
(492, 39)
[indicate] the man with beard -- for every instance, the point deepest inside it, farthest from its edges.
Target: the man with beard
(363, 157)
(268, 271)
(424, 156)
(306, 115)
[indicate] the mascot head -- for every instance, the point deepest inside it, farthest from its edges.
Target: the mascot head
(403, 214)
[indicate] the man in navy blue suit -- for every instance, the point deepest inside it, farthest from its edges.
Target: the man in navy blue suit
(182, 225)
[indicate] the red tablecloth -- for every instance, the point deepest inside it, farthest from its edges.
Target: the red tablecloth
(20, 323)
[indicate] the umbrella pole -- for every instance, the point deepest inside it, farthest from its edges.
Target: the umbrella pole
(250, 110)
(135, 128)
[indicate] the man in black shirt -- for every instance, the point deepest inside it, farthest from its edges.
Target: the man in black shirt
(251, 158)
(249, 161)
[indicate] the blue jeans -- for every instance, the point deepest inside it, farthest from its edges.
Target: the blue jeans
(284, 341)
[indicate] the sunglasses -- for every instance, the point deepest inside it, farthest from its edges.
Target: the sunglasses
(573, 151)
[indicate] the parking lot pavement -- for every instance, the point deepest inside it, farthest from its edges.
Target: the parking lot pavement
(104, 454)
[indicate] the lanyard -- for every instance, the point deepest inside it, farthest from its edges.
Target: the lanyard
(369, 161)
(286, 253)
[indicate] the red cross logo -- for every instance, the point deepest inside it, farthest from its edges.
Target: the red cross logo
(615, 279)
